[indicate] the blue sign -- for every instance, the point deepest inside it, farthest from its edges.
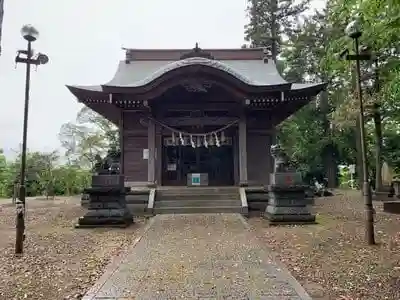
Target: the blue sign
(195, 179)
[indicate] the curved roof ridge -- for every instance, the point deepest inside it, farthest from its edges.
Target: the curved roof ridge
(251, 72)
(190, 62)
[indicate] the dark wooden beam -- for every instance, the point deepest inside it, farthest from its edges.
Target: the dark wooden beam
(190, 106)
(207, 121)
(108, 111)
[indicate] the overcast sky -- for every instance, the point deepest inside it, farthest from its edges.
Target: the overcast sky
(83, 39)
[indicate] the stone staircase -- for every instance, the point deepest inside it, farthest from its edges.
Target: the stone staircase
(187, 200)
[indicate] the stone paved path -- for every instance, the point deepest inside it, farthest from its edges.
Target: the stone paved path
(211, 256)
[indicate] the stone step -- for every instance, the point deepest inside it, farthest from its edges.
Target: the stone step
(197, 197)
(136, 197)
(198, 210)
(197, 191)
(258, 206)
(138, 209)
(197, 203)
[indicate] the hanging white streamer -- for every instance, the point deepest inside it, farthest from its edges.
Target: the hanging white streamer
(217, 143)
(192, 142)
(205, 141)
(194, 134)
(181, 139)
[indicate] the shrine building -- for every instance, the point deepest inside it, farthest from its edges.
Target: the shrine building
(196, 117)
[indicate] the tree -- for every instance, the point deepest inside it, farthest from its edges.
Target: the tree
(303, 55)
(270, 20)
(70, 179)
(310, 52)
(46, 176)
(5, 175)
(90, 135)
(380, 33)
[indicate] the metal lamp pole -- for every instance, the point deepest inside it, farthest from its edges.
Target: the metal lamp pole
(30, 34)
(354, 32)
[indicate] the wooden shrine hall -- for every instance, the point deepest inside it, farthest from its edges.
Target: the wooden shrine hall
(196, 117)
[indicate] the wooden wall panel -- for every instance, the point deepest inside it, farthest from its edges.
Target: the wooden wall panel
(135, 166)
(135, 140)
(258, 159)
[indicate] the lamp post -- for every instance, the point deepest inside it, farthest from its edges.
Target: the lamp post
(354, 32)
(30, 34)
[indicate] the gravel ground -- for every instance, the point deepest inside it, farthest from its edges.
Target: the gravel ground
(59, 262)
(199, 256)
(331, 259)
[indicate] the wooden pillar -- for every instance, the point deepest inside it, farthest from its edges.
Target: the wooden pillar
(236, 159)
(272, 141)
(121, 143)
(243, 151)
(151, 173)
(158, 153)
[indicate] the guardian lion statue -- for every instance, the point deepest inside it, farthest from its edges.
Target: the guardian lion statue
(281, 160)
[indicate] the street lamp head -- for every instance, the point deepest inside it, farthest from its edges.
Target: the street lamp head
(353, 30)
(29, 33)
(42, 59)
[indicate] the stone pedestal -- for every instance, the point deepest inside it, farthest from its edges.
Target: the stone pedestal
(288, 202)
(107, 204)
(396, 187)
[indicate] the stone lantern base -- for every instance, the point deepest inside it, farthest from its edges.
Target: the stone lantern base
(288, 202)
(106, 203)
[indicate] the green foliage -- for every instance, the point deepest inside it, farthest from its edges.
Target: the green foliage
(5, 174)
(44, 175)
(299, 132)
(309, 50)
(50, 174)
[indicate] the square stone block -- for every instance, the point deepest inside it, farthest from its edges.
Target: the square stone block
(285, 178)
(95, 205)
(290, 219)
(287, 195)
(290, 201)
(108, 180)
(106, 213)
(114, 205)
(288, 210)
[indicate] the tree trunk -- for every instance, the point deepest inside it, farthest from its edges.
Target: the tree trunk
(330, 169)
(274, 30)
(328, 157)
(378, 147)
(360, 171)
(378, 133)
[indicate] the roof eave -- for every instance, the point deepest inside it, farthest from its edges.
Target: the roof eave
(82, 92)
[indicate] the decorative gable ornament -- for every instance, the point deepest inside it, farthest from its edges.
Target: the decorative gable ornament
(197, 52)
